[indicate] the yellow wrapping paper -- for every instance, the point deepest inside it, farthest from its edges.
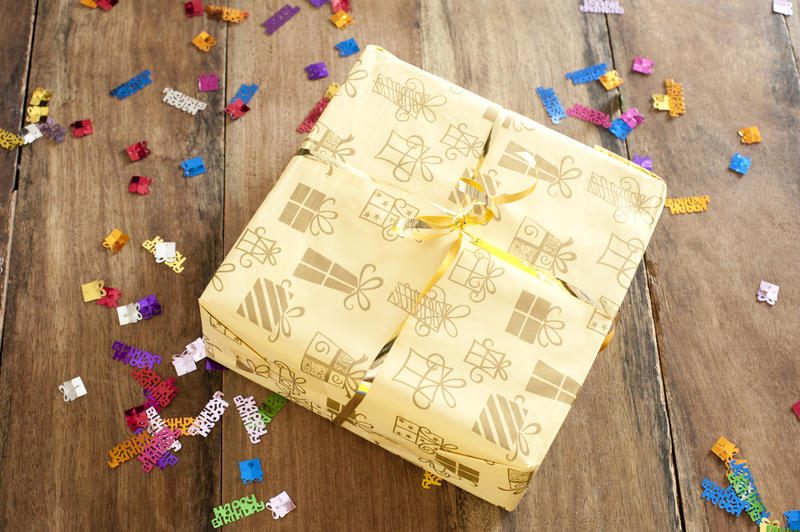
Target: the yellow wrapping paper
(486, 367)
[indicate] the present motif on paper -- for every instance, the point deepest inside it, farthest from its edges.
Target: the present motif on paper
(540, 248)
(600, 322)
(512, 120)
(503, 422)
(550, 383)
(486, 361)
(530, 320)
(325, 141)
(460, 143)
(430, 378)
(448, 468)
(518, 159)
(306, 210)
(517, 481)
(432, 312)
(425, 440)
(410, 98)
(385, 211)
(475, 270)
(254, 245)
(268, 305)
(326, 361)
(630, 204)
(622, 256)
(219, 326)
(357, 419)
(317, 269)
(408, 157)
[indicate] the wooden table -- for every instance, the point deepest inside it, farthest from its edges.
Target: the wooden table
(695, 357)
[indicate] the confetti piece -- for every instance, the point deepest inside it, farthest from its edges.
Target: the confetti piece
(235, 510)
(675, 94)
(316, 71)
(796, 408)
(609, 7)
(644, 161)
(136, 418)
(341, 19)
(642, 65)
(314, 114)
(431, 480)
(157, 447)
(53, 130)
(208, 82)
(740, 163)
(620, 129)
(127, 314)
(347, 48)
(193, 167)
(129, 448)
(724, 449)
(204, 41)
(72, 389)
(10, 141)
(140, 184)
(280, 505)
(552, 104)
(208, 417)
(253, 423)
(193, 8)
(250, 471)
(132, 86)
(227, 14)
(149, 306)
(183, 364)
(792, 519)
(89, 3)
(236, 109)
(181, 101)
(105, 5)
(590, 115)
(138, 358)
(197, 349)
(165, 252)
(38, 105)
(111, 297)
(279, 18)
(272, 404)
(182, 423)
(138, 151)
(661, 102)
(317, 3)
(340, 5)
(115, 240)
(632, 117)
(783, 7)
(245, 93)
(32, 133)
(587, 74)
(211, 365)
(750, 135)
(767, 292)
(81, 128)
(93, 291)
(610, 80)
(725, 498)
(687, 205)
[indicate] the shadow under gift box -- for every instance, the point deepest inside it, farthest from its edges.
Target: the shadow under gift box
(488, 362)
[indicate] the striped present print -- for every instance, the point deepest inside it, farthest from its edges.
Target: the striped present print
(268, 305)
(503, 422)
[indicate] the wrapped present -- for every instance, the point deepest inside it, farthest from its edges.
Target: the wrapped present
(434, 273)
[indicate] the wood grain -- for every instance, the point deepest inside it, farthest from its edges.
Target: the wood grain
(337, 479)
(71, 196)
(731, 364)
(15, 49)
(618, 428)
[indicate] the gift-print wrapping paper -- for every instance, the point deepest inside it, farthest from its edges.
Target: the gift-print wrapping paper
(484, 366)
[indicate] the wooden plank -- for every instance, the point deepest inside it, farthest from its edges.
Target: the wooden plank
(728, 359)
(15, 48)
(337, 479)
(503, 51)
(70, 197)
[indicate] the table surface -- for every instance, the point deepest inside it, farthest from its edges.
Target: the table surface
(695, 355)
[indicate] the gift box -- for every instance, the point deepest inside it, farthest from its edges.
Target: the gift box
(434, 273)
